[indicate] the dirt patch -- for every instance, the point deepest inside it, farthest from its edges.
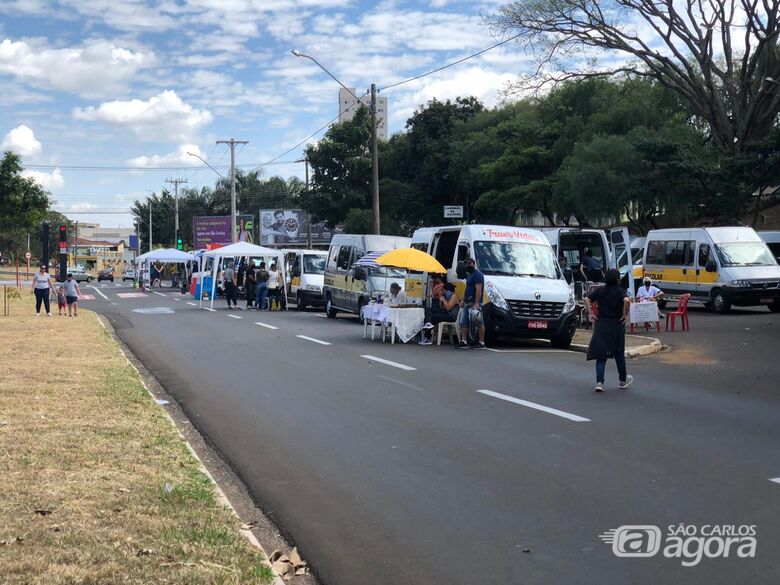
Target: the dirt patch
(98, 487)
(685, 356)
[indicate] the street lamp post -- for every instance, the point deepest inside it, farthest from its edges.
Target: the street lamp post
(375, 223)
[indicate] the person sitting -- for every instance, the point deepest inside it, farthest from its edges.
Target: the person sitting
(437, 287)
(443, 310)
(397, 297)
(590, 268)
(650, 292)
(566, 269)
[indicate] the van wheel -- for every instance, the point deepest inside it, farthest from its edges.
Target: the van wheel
(561, 341)
(300, 304)
(774, 306)
(719, 302)
(330, 310)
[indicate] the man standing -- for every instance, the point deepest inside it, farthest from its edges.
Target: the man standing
(231, 292)
(72, 294)
(590, 268)
(472, 304)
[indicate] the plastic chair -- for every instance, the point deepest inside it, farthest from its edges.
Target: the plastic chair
(681, 312)
(453, 330)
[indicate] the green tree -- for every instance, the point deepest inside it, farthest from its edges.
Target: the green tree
(23, 205)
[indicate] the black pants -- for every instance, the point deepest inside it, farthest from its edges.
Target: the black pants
(42, 296)
(231, 293)
(436, 314)
(250, 294)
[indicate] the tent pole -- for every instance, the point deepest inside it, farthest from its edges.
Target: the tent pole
(217, 265)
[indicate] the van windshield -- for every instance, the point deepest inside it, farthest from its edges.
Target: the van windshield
(314, 264)
(744, 254)
(516, 259)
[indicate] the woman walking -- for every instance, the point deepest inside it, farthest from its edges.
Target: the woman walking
(261, 287)
(609, 333)
(42, 287)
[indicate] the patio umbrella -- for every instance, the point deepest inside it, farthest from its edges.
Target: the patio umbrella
(411, 259)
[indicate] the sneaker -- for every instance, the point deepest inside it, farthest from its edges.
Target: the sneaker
(463, 345)
(48, 314)
(428, 326)
(626, 383)
(480, 345)
(425, 342)
(599, 386)
(37, 314)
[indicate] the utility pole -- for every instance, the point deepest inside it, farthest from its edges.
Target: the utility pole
(232, 143)
(76, 246)
(150, 225)
(374, 165)
(176, 183)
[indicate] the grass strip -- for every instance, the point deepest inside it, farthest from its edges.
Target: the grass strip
(97, 485)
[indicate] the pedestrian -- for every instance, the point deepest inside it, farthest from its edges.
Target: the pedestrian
(60, 299)
(609, 332)
(231, 291)
(249, 284)
(157, 274)
(72, 294)
(274, 288)
(42, 286)
(472, 305)
(261, 287)
(590, 268)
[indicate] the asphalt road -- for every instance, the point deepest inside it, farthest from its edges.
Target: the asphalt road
(389, 475)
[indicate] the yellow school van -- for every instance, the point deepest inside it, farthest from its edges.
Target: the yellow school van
(719, 266)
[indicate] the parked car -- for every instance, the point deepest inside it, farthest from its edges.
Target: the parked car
(128, 274)
(79, 274)
(106, 274)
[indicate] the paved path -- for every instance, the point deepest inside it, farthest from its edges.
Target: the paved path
(407, 464)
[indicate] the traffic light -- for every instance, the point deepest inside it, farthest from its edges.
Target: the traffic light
(63, 253)
(179, 244)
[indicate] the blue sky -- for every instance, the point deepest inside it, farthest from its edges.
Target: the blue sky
(141, 82)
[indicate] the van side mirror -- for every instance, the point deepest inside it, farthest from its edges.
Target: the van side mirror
(360, 273)
(710, 266)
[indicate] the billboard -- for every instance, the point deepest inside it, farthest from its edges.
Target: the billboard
(210, 230)
(290, 226)
(245, 228)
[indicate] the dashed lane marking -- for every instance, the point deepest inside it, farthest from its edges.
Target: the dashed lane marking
(98, 291)
(235, 316)
(313, 340)
(393, 364)
(266, 325)
(535, 406)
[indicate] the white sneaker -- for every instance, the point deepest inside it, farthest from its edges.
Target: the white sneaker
(627, 383)
(48, 314)
(599, 387)
(428, 326)
(38, 315)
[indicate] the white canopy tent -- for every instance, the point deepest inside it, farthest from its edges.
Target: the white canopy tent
(239, 250)
(171, 255)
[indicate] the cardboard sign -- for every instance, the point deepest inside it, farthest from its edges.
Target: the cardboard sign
(644, 312)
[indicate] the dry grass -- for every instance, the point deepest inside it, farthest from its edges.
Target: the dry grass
(97, 486)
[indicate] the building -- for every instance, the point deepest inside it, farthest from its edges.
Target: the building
(347, 109)
(96, 255)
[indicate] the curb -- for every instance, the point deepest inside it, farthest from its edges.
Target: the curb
(655, 346)
(222, 498)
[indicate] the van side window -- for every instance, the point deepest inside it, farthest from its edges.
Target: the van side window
(422, 246)
(655, 253)
(334, 254)
(704, 254)
(690, 253)
(343, 260)
(445, 248)
(463, 252)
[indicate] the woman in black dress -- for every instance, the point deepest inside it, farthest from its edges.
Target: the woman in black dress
(609, 333)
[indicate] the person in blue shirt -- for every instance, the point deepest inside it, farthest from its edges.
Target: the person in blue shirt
(472, 304)
(590, 268)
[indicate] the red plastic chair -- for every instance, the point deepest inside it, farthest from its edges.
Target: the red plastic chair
(681, 312)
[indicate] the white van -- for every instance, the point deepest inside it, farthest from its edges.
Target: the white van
(720, 266)
(525, 292)
(307, 275)
(772, 240)
(346, 289)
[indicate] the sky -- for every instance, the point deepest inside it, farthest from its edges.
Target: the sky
(135, 85)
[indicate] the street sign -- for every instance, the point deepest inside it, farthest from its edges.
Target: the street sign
(28, 255)
(453, 211)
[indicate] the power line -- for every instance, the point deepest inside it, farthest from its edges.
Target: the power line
(148, 169)
(443, 67)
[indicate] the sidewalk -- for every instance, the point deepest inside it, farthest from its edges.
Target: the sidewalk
(636, 345)
(98, 485)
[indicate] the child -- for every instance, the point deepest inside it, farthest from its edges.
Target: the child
(60, 300)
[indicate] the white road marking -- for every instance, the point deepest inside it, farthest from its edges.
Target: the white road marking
(775, 479)
(192, 304)
(235, 316)
(266, 325)
(307, 338)
(159, 293)
(400, 383)
(534, 405)
(97, 290)
(321, 315)
(210, 309)
(529, 350)
(176, 299)
(388, 363)
(114, 304)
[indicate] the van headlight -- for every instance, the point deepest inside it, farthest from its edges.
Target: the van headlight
(571, 303)
(314, 287)
(495, 297)
(740, 283)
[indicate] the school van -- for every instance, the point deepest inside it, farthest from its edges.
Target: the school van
(525, 293)
(346, 287)
(720, 266)
(306, 270)
(772, 240)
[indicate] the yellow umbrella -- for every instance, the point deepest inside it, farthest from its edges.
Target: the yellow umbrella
(411, 259)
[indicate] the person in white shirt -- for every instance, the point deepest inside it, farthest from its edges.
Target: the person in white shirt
(649, 292)
(397, 297)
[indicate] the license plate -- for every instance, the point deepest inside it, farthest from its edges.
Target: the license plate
(766, 301)
(537, 324)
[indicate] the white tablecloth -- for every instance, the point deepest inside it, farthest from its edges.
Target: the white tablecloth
(407, 321)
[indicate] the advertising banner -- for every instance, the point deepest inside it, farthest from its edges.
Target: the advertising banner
(210, 230)
(245, 228)
(290, 226)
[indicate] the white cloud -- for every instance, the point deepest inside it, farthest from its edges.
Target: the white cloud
(177, 158)
(163, 117)
(52, 181)
(96, 68)
(21, 140)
